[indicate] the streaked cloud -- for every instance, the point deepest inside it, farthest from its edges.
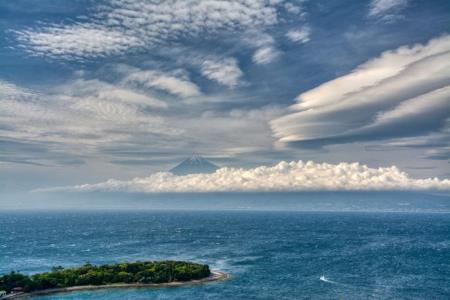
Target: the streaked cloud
(438, 154)
(284, 176)
(176, 85)
(81, 113)
(97, 90)
(85, 117)
(300, 36)
(265, 47)
(224, 71)
(76, 41)
(402, 93)
(293, 8)
(436, 145)
(386, 9)
(265, 55)
(119, 25)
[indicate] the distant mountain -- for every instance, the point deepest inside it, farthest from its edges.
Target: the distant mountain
(194, 165)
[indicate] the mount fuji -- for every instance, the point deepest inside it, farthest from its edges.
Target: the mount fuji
(194, 165)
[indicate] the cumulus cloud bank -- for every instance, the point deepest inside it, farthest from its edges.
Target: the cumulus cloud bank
(284, 176)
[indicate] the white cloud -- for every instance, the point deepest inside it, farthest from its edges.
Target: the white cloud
(258, 39)
(119, 25)
(224, 71)
(163, 81)
(265, 55)
(175, 85)
(99, 90)
(293, 9)
(404, 92)
(372, 73)
(76, 41)
(285, 176)
(386, 7)
(11, 91)
(216, 132)
(264, 44)
(194, 16)
(300, 36)
(81, 113)
(417, 109)
(87, 117)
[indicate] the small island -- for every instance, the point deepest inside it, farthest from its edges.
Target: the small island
(122, 275)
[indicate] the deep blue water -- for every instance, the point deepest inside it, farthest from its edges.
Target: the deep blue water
(270, 255)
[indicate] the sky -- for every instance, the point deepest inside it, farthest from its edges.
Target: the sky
(101, 92)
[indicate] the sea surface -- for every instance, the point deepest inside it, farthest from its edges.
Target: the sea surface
(270, 255)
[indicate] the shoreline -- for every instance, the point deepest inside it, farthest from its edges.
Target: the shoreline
(215, 276)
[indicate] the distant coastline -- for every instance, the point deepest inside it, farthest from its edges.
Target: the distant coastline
(215, 276)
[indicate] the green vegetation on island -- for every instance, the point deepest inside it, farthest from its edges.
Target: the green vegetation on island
(88, 274)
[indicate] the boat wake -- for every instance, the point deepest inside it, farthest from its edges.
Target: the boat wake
(324, 279)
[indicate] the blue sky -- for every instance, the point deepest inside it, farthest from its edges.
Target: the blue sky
(92, 90)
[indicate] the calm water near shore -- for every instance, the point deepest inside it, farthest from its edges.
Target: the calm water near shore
(271, 255)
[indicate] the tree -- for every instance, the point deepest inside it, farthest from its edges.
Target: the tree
(88, 274)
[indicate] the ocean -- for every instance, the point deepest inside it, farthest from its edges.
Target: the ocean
(270, 255)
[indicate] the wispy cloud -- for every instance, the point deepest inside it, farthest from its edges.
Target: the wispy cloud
(119, 25)
(176, 85)
(439, 153)
(264, 44)
(224, 71)
(436, 145)
(83, 117)
(265, 55)
(81, 113)
(405, 92)
(300, 36)
(294, 9)
(386, 9)
(76, 41)
(284, 176)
